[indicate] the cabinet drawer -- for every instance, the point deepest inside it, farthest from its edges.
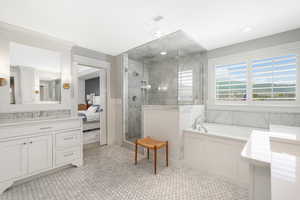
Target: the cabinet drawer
(68, 139)
(36, 127)
(69, 124)
(67, 155)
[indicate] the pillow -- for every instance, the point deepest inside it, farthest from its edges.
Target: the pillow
(92, 109)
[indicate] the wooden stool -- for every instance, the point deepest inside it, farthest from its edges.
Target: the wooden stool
(150, 143)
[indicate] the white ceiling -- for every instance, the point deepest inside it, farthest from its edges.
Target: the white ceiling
(115, 26)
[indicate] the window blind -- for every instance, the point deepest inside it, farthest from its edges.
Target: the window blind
(185, 86)
(231, 82)
(274, 78)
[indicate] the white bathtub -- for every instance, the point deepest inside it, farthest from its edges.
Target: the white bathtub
(218, 151)
(229, 131)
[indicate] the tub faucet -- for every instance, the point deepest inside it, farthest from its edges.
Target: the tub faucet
(198, 124)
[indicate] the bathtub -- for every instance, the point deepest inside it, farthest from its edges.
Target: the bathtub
(233, 132)
(218, 151)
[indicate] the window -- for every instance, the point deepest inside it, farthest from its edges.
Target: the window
(231, 82)
(185, 86)
(268, 79)
(274, 79)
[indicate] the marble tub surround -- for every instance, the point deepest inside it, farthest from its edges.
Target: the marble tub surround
(252, 118)
(241, 133)
(218, 150)
(35, 115)
(274, 165)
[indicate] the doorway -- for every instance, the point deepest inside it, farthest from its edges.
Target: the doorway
(92, 98)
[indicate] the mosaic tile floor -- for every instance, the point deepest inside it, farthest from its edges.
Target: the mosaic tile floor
(109, 174)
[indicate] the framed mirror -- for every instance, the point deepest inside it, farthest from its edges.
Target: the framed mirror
(35, 75)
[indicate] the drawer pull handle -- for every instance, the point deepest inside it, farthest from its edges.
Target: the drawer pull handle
(69, 154)
(45, 128)
(69, 138)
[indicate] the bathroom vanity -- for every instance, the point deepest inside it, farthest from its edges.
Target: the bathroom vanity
(29, 148)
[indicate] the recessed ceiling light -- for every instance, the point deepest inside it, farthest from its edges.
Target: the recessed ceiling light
(163, 53)
(247, 29)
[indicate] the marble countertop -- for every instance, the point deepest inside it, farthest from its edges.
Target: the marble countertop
(257, 150)
(285, 164)
(37, 121)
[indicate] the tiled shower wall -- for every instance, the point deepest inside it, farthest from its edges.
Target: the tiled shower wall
(136, 73)
(157, 74)
(34, 115)
(164, 73)
(252, 119)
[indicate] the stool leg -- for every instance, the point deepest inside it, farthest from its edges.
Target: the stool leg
(148, 154)
(155, 158)
(136, 151)
(167, 154)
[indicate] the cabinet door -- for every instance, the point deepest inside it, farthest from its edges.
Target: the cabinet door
(12, 159)
(39, 153)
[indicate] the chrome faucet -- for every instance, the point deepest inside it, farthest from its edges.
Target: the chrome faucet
(198, 124)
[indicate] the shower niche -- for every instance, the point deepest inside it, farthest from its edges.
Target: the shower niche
(166, 71)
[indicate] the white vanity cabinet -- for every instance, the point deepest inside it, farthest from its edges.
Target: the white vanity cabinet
(25, 156)
(39, 153)
(12, 159)
(36, 147)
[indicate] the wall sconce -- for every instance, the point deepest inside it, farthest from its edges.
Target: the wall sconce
(66, 85)
(3, 82)
(36, 91)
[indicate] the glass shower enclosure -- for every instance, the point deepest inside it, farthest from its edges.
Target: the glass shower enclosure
(167, 71)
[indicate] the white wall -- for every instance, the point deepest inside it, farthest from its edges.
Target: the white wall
(260, 43)
(81, 91)
(167, 123)
(252, 115)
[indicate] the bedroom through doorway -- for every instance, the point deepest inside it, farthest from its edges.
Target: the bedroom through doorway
(91, 103)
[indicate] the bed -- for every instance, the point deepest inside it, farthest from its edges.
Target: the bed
(91, 114)
(91, 118)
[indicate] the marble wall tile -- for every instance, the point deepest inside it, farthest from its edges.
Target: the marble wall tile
(35, 115)
(297, 119)
(134, 99)
(216, 116)
(252, 119)
(188, 114)
(287, 119)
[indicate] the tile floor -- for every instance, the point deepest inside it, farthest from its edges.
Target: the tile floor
(109, 174)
